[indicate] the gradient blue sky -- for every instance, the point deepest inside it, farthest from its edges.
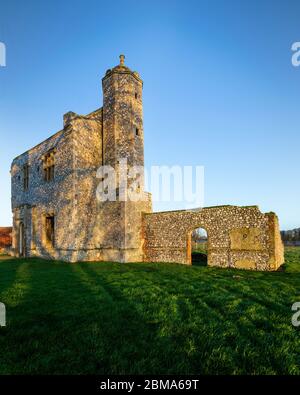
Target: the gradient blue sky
(219, 87)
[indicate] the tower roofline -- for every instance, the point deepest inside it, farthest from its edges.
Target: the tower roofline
(122, 69)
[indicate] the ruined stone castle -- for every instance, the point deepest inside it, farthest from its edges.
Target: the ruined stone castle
(56, 214)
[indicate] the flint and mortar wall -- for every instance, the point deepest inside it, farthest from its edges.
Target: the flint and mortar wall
(239, 237)
(43, 198)
(122, 115)
(70, 197)
(85, 229)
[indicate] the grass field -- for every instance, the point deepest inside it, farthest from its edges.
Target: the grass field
(93, 318)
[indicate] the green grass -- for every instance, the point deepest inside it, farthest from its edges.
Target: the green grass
(109, 318)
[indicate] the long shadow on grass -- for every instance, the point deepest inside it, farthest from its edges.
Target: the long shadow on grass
(134, 342)
(71, 322)
(191, 335)
(258, 308)
(8, 270)
(110, 318)
(222, 328)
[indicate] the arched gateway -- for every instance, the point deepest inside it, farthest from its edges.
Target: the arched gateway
(198, 246)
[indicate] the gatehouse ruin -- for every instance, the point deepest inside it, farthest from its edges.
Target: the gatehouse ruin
(56, 214)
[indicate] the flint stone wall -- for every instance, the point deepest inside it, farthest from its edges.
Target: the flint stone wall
(69, 197)
(238, 237)
(85, 229)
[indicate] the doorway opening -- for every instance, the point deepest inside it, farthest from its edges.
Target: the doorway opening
(50, 235)
(199, 247)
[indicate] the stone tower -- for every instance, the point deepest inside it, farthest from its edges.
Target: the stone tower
(123, 135)
(123, 140)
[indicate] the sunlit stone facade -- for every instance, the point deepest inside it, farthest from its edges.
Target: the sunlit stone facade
(56, 214)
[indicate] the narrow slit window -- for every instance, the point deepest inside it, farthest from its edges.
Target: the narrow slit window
(137, 131)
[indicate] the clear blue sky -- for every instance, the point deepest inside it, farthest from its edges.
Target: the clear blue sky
(219, 87)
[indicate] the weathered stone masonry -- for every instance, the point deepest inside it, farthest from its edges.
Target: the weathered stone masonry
(62, 185)
(240, 237)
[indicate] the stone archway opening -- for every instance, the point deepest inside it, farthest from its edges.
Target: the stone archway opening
(199, 245)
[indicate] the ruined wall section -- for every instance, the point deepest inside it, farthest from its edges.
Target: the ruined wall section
(87, 142)
(276, 243)
(134, 241)
(70, 196)
(31, 206)
(238, 237)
